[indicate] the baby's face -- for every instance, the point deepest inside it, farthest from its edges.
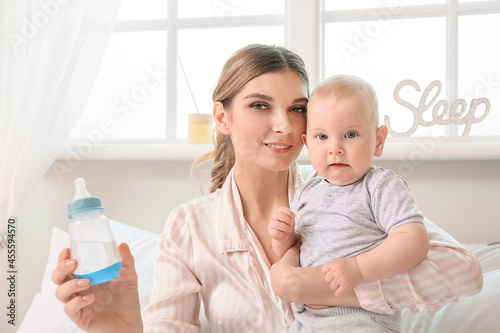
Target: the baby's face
(341, 136)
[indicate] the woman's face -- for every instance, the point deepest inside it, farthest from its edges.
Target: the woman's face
(267, 119)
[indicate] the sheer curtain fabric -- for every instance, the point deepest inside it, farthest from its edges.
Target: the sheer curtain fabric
(50, 53)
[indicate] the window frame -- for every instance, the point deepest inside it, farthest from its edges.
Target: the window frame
(312, 19)
(172, 25)
(450, 10)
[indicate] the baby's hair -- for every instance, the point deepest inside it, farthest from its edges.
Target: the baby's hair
(343, 85)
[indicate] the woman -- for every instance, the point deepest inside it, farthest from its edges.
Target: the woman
(217, 248)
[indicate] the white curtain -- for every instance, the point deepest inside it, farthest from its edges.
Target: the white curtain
(50, 53)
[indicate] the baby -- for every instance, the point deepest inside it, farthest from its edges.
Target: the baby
(357, 220)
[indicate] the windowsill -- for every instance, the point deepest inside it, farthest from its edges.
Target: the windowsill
(395, 149)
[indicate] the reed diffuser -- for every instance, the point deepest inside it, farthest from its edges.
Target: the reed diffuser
(199, 124)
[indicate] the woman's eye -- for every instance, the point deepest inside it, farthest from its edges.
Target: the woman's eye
(351, 135)
(322, 137)
(300, 109)
(259, 106)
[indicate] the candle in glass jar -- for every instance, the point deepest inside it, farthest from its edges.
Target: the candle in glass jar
(199, 128)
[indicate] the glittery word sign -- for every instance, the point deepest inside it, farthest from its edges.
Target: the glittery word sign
(442, 114)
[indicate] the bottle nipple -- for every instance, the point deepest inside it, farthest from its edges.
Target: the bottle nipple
(82, 200)
(80, 189)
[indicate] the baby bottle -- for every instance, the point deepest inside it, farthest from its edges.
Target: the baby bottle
(91, 240)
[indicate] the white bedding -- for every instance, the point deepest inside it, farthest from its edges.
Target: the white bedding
(478, 313)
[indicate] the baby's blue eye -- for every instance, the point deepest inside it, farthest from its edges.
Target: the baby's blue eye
(351, 135)
(322, 137)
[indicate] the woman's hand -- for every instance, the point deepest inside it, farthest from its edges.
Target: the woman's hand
(108, 307)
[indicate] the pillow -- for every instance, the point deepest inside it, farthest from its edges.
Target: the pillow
(46, 313)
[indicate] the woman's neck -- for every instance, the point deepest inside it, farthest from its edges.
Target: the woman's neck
(261, 192)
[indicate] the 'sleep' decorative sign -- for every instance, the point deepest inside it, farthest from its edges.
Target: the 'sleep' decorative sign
(456, 113)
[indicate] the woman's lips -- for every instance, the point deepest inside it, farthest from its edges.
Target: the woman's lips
(279, 147)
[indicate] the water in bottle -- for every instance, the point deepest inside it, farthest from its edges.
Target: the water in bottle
(91, 239)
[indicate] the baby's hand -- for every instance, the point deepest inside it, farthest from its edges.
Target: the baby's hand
(342, 275)
(282, 224)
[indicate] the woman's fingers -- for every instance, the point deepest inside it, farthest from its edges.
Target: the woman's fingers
(65, 267)
(66, 291)
(72, 307)
(127, 258)
(128, 272)
(62, 276)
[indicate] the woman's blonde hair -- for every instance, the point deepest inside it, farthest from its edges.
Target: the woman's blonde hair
(243, 66)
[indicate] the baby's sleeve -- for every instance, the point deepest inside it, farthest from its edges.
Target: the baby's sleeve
(393, 204)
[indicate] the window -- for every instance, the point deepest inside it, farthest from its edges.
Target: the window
(163, 62)
(387, 42)
(164, 59)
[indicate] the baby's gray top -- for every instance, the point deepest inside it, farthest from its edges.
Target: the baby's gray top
(345, 221)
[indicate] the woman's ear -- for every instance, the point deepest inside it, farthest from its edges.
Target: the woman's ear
(381, 136)
(221, 118)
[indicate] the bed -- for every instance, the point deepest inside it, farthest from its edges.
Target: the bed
(478, 313)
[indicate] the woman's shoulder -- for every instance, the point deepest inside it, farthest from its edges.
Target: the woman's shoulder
(194, 210)
(199, 204)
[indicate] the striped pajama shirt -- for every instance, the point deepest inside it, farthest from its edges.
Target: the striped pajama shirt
(209, 255)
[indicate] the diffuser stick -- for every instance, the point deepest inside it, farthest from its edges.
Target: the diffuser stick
(189, 86)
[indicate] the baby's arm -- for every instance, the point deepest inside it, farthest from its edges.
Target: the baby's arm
(281, 229)
(305, 285)
(403, 249)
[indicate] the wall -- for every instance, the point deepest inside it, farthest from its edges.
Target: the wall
(461, 196)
